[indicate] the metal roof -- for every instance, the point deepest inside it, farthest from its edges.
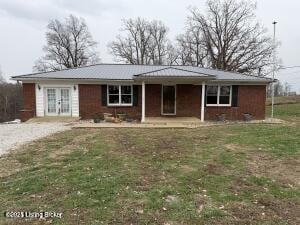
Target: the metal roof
(174, 72)
(130, 72)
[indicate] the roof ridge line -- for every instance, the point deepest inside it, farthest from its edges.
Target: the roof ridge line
(171, 67)
(139, 74)
(194, 71)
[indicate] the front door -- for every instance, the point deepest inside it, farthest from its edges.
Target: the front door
(169, 99)
(58, 101)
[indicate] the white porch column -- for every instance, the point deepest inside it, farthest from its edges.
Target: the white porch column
(202, 101)
(143, 102)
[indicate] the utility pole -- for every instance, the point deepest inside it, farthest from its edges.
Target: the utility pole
(274, 67)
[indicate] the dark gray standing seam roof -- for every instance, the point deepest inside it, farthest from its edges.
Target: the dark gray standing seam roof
(130, 72)
(174, 72)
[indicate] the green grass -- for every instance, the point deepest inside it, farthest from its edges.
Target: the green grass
(229, 174)
(289, 112)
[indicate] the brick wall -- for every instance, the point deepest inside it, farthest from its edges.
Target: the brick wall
(251, 99)
(153, 100)
(90, 103)
(188, 100)
(28, 110)
(29, 96)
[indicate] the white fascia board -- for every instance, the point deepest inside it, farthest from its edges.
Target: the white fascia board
(241, 82)
(73, 81)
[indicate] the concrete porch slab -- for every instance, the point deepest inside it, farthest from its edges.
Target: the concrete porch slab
(172, 120)
(134, 125)
(188, 122)
(151, 122)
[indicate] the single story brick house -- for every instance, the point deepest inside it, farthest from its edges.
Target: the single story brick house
(143, 91)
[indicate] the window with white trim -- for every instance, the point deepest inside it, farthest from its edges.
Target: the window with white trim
(218, 95)
(119, 95)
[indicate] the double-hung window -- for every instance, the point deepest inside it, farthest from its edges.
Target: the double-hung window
(218, 95)
(119, 95)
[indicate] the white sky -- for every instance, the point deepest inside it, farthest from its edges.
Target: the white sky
(23, 25)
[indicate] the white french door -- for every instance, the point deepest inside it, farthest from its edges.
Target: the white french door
(65, 102)
(58, 101)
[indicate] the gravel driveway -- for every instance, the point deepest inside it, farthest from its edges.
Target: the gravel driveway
(14, 135)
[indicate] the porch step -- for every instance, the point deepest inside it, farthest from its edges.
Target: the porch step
(172, 120)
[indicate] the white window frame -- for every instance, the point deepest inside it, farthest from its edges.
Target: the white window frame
(120, 95)
(218, 95)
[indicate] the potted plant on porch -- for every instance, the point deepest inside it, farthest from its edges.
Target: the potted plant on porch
(247, 116)
(97, 118)
(221, 117)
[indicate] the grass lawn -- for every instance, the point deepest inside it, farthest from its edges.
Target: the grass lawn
(227, 174)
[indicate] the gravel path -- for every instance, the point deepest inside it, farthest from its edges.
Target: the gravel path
(14, 135)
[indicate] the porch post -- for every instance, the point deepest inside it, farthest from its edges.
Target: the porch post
(202, 101)
(143, 102)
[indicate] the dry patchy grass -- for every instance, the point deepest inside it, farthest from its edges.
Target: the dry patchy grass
(237, 174)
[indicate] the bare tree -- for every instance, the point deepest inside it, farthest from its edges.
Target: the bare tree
(69, 44)
(191, 48)
(227, 37)
(143, 43)
(172, 55)
(10, 101)
(158, 42)
(280, 89)
(134, 46)
(2, 80)
(286, 88)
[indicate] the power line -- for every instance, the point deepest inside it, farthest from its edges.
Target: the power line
(288, 67)
(295, 73)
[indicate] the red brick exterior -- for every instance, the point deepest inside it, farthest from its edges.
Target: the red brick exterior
(90, 103)
(251, 99)
(28, 101)
(153, 100)
(188, 100)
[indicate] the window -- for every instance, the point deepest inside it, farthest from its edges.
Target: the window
(119, 95)
(212, 95)
(218, 95)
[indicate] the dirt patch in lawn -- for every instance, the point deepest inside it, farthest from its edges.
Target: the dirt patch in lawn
(285, 170)
(81, 142)
(13, 165)
(187, 169)
(264, 210)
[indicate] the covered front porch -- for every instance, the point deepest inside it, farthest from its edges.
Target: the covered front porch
(172, 102)
(175, 92)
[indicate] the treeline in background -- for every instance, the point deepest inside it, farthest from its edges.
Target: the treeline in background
(11, 101)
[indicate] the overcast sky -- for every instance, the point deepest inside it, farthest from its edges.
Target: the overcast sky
(23, 25)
